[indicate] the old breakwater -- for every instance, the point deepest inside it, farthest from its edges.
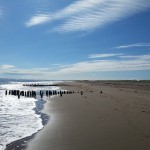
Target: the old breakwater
(41, 93)
(40, 85)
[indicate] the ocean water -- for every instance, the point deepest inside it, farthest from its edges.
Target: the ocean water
(18, 118)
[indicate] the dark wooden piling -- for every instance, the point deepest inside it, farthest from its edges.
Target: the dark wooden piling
(47, 93)
(15, 92)
(27, 93)
(41, 94)
(18, 92)
(50, 93)
(34, 94)
(18, 96)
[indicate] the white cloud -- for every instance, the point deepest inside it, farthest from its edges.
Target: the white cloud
(124, 63)
(107, 65)
(103, 55)
(83, 15)
(140, 57)
(3, 67)
(38, 19)
(134, 45)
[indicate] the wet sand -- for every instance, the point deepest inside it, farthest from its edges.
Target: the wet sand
(116, 119)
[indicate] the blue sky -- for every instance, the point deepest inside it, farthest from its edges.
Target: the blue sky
(75, 39)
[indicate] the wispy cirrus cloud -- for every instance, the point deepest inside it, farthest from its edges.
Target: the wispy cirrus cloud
(83, 15)
(141, 57)
(103, 55)
(38, 19)
(134, 45)
(125, 63)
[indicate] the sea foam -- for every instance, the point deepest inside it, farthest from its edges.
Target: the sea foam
(17, 116)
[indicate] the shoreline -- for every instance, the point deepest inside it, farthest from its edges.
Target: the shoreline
(63, 117)
(21, 144)
(117, 118)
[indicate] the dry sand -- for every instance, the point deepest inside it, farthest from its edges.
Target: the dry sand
(117, 119)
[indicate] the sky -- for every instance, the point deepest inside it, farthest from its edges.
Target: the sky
(75, 39)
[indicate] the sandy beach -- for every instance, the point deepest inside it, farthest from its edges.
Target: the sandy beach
(116, 119)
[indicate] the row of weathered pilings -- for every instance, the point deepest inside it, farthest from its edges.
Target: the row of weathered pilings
(34, 85)
(33, 94)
